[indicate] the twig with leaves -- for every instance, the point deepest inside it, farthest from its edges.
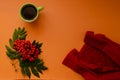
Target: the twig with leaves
(26, 53)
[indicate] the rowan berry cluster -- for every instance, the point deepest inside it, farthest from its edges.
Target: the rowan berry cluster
(27, 50)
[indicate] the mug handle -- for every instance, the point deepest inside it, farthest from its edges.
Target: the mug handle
(40, 8)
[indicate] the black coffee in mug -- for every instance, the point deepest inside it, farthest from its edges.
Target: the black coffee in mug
(29, 12)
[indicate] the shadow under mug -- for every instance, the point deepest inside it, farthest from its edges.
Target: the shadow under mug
(29, 12)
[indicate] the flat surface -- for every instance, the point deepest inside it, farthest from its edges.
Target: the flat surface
(61, 26)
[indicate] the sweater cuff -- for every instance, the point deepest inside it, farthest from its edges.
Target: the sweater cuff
(71, 60)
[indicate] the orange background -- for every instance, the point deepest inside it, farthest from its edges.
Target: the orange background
(61, 26)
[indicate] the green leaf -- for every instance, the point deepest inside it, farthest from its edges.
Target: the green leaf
(23, 36)
(9, 49)
(19, 34)
(13, 56)
(35, 72)
(38, 45)
(22, 64)
(9, 55)
(19, 29)
(15, 35)
(11, 43)
(39, 69)
(27, 72)
(36, 61)
(25, 63)
(34, 42)
(40, 64)
(22, 30)
(23, 71)
(44, 68)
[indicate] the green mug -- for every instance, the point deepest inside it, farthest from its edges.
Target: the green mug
(29, 12)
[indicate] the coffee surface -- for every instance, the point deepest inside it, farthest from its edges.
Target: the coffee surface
(29, 12)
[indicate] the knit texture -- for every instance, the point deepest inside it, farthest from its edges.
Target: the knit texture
(98, 59)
